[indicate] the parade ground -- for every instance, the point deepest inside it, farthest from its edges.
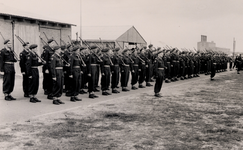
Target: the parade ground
(192, 114)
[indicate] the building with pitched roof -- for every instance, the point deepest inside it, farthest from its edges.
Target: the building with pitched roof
(113, 36)
(29, 27)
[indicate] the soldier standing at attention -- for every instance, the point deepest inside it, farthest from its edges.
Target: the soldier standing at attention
(83, 51)
(213, 65)
(105, 71)
(149, 66)
(7, 60)
(75, 74)
(115, 70)
(47, 54)
(92, 71)
(125, 70)
(57, 75)
(32, 64)
(135, 64)
(142, 67)
(159, 73)
(22, 62)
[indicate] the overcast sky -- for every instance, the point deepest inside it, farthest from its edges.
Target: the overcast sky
(178, 23)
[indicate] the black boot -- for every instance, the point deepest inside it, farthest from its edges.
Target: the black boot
(77, 99)
(32, 100)
(72, 99)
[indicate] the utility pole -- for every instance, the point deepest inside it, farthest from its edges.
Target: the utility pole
(81, 21)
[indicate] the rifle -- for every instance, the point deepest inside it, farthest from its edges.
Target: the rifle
(22, 42)
(52, 49)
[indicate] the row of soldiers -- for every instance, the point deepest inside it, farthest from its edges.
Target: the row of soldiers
(72, 68)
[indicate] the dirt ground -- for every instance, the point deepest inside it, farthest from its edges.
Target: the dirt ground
(201, 114)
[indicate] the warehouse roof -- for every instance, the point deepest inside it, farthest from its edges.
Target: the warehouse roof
(118, 33)
(13, 12)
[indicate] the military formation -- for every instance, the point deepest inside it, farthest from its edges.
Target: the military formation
(76, 69)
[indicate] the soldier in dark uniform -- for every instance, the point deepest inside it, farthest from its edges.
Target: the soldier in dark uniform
(168, 66)
(125, 70)
(135, 64)
(182, 65)
(84, 70)
(105, 71)
(56, 69)
(238, 62)
(32, 71)
(230, 60)
(75, 73)
(92, 71)
(22, 64)
(149, 66)
(47, 77)
(66, 54)
(7, 60)
(143, 64)
(115, 70)
(159, 73)
(213, 65)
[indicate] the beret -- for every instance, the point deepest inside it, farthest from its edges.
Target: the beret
(49, 41)
(63, 47)
(69, 45)
(167, 50)
(45, 47)
(56, 48)
(150, 45)
(6, 41)
(125, 50)
(159, 48)
(26, 43)
(93, 47)
(159, 52)
(75, 48)
(105, 50)
(33, 46)
(82, 47)
(145, 47)
(116, 49)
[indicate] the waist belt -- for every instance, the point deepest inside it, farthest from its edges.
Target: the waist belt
(34, 67)
(161, 68)
(126, 65)
(168, 62)
(106, 65)
(59, 68)
(135, 64)
(177, 61)
(93, 64)
(76, 66)
(174, 61)
(214, 63)
(116, 65)
(9, 63)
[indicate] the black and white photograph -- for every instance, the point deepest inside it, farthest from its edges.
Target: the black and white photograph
(121, 74)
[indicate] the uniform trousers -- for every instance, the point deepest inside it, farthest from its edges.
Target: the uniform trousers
(159, 80)
(57, 87)
(76, 81)
(8, 78)
(106, 79)
(134, 75)
(115, 76)
(34, 82)
(125, 76)
(92, 78)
